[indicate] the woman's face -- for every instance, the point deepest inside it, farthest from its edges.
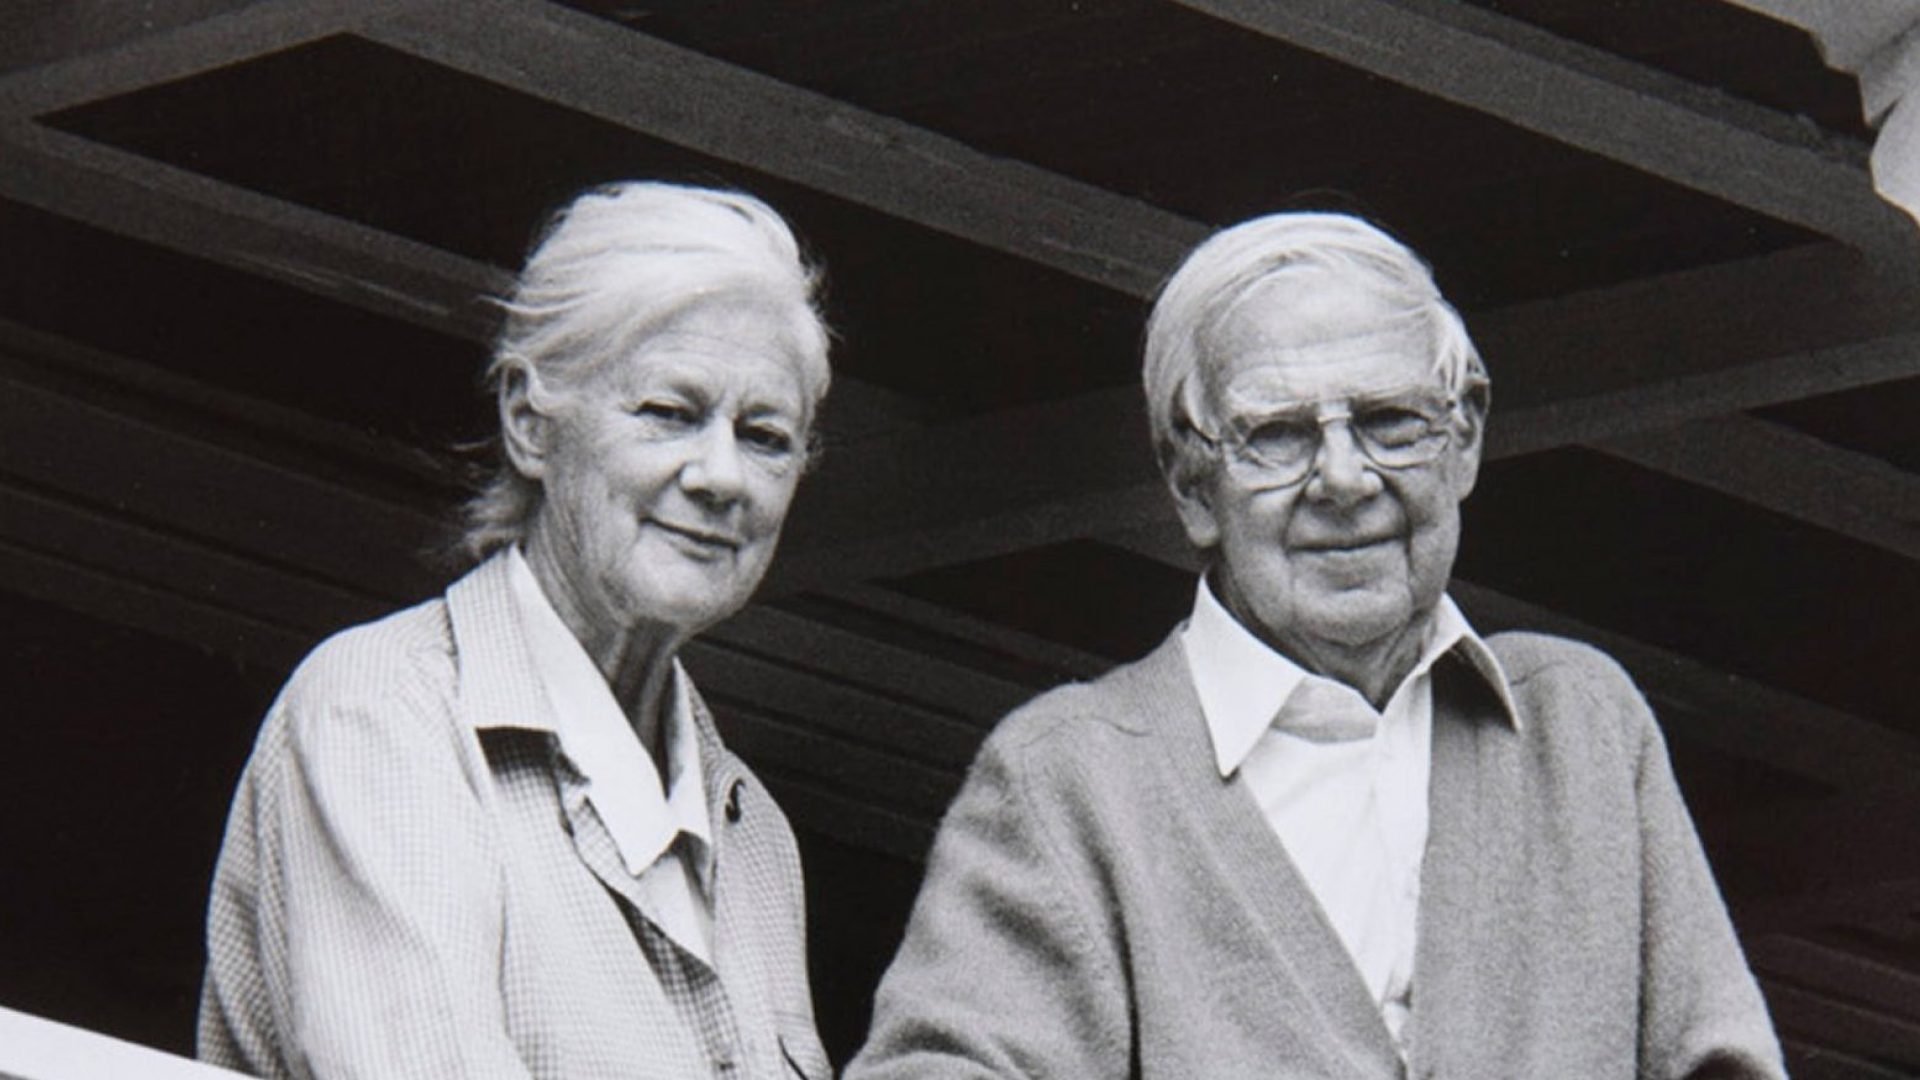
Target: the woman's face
(667, 471)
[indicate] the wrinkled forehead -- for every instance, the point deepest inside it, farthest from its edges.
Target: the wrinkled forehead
(1314, 335)
(750, 330)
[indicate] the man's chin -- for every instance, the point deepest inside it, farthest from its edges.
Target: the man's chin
(1356, 618)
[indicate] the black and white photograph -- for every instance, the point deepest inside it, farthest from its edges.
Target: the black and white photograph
(1078, 539)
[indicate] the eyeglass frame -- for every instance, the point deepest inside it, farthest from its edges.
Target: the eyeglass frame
(1234, 448)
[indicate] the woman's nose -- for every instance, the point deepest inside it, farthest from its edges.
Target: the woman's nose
(715, 468)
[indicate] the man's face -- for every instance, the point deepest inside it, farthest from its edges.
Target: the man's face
(1352, 552)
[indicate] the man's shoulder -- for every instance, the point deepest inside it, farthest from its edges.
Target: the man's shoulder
(1570, 690)
(1118, 704)
(1526, 656)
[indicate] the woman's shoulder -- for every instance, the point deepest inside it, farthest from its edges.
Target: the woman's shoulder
(376, 660)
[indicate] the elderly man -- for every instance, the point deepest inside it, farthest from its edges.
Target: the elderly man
(1325, 829)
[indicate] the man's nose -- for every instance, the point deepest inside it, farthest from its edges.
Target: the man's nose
(1342, 472)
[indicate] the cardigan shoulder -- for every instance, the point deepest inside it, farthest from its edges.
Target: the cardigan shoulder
(1116, 705)
(1574, 697)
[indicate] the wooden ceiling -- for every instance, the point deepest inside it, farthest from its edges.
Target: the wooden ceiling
(240, 335)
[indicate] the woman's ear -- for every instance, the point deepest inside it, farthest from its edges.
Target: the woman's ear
(524, 430)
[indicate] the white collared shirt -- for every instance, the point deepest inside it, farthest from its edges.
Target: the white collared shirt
(1351, 815)
(622, 783)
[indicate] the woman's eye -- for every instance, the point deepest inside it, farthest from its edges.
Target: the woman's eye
(767, 439)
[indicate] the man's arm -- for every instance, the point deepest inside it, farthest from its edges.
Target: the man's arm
(1702, 1015)
(1009, 967)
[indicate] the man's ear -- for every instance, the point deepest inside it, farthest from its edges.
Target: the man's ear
(1470, 437)
(1189, 477)
(525, 431)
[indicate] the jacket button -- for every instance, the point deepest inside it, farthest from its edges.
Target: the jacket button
(733, 801)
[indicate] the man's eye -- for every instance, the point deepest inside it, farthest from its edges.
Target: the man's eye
(1394, 425)
(1283, 436)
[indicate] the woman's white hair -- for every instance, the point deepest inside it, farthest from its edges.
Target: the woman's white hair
(1225, 268)
(609, 270)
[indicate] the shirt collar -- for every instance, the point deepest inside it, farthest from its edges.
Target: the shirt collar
(598, 739)
(1242, 682)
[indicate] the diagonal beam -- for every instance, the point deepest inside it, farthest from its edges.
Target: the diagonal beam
(1637, 329)
(159, 204)
(102, 63)
(1831, 1021)
(737, 115)
(1600, 365)
(318, 253)
(1829, 969)
(127, 511)
(1774, 466)
(1703, 139)
(1734, 715)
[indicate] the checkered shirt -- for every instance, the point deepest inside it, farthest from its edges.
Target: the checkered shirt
(414, 884)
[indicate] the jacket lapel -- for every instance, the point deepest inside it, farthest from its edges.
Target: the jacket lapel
(1457, 882)
(1251, 863)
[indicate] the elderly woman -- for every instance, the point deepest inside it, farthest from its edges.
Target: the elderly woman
(497, 834)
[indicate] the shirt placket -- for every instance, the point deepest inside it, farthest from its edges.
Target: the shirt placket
(697, 995)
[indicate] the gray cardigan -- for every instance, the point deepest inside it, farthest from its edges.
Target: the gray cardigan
(1100, 903)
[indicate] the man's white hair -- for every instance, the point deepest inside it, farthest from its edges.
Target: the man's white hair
(1271, 250)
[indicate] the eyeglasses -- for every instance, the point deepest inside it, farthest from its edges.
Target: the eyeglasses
(1278, 448)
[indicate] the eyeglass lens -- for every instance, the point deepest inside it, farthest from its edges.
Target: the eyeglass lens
(1393, 434)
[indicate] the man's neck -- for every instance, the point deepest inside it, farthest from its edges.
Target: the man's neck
(1376, 669)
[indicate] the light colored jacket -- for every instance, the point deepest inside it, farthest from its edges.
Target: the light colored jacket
(413, 883)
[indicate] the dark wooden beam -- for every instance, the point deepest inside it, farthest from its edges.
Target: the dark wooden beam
(119, 54)
(1809, 1061)
(943, 622)
(1829, 970)
(1733, 715)
(114, 599)
(172, 208)
(1774, 466)
(880, 667)
(1702, 138)
(1847, 1027)
(51, 32)
(152, 558)
(154, 472)
(594, 67)
(1600, 365)
(1841, 903)
(123, 510)
(832, 704)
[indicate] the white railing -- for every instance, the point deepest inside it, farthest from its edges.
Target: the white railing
(35, 1049)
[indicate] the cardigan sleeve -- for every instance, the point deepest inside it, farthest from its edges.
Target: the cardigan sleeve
(1008, 968)
(355, 925)
(1702, 1015)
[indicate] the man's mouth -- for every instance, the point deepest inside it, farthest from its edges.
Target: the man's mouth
(1337, 545)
